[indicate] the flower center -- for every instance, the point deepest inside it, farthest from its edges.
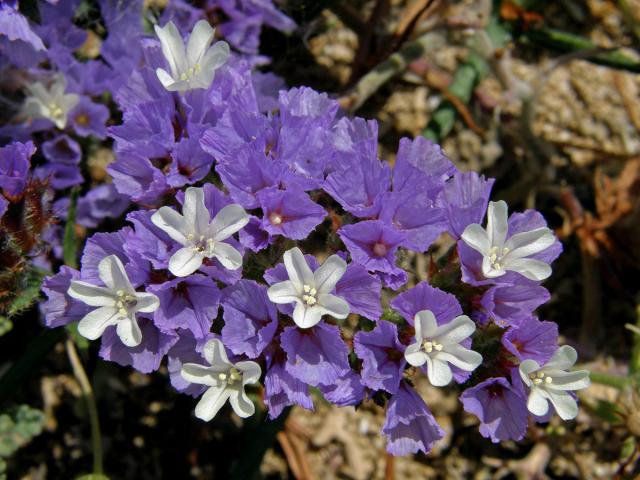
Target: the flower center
(495, 257)
(309, 296)
(82, 119)
(202, 245)
(539, 378)
(125, 302)
(431, 345)
(230, 377)
(380, 249)
(55, 110)
(275, 218)
(191, 72)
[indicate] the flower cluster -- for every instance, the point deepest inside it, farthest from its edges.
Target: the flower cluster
(267, 243)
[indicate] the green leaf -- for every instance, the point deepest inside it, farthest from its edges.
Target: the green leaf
(607, 411)
(615, 381)
(29, 291)
(93, 476)
(628, 447)
(70, 242)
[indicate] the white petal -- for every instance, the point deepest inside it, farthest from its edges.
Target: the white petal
(215, 57)
(172, 48)
(199, 41)
(414, 355)
(228, 256)
(497, 223)
(185, 261)
(329, 273)
(476, 237)
(306, 317)
(112, 273)
(297, 268)
(211, 402)
(537, 403)
(425, 324)
(215, 354)
(527, 367)
(165, 78)
(488, 270)
(147, 302)
(250, 372)
(129, 331)
(530, 268)
(94, 323)
(529, 243)
(172, 223)
(228, 221)
(455, 331)
(467, 360)
(563, 358)
(199, 374)
(90, 294)
(332, 305)
(195, 211)
(241, 404)
(564, 403)
(283, 292)
(568, 380)
(439, 372)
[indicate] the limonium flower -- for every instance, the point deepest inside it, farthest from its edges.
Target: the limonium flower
(200, 236)
(552, 383)
(195, 66)
(502, 252)
(438, 346)
(226, 381)
(118, 303)
(50, 103)
(311, 291)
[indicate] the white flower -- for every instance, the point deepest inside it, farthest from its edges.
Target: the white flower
(225, 381)
(551, 383)
(311, 291)
(118, 303)
(200, 238)
(194, 67)
(438, 346)
(50, 103)
(501, 253)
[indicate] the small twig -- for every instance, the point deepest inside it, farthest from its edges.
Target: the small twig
(410, 17)
(87, 392)
(364, 44)
(389, 473)
(463, 111)
(349, 16)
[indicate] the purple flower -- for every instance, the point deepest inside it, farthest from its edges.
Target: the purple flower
(532, 339)
(510, 305)
(16, 27)
(250, 319)
(59, 308)
(4, 204)
(14, 167)
(464, 199)
(88, 118)
(423, 296)
(421, 165)
(501, 409)
(190, 163)
(346, 391)
(281, 388)
(148, 242)
(409, 426)
(382, 357)
(290, 213)
(63, 168)
(187, 303)
(316, 355)
(186, 350)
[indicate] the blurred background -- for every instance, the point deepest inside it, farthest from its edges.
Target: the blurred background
(542, 95)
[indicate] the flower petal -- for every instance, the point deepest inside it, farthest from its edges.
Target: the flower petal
(414, 355)
(199, 374)
(129, 331)
(228, 221)
(250, 372)
(527, 367)
(439, 372)
(165, 78)
(497, 223)
(530, 268)
(199, 41)
(529, 243)
(476, 237)
(94, 323)
(425, 324)
(216, 57)
(185, 261)
(537, 403)
(172, 48)
(215, 353)
(297, 268)
(195, 211)
(111, 271)
(172, 223)
(228, 256)
(283, 292)
(211, 402)
(568, 380)
(463, 358)
(147, 302)
(241, 404)
(329, 273)
(564, 358)
(332, 305)
(565, 405)
(306, 317)
(455, 331)
(90, 294)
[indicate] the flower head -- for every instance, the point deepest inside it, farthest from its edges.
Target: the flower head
(200, 236)
(226, 381)
(552, 383)
(118, 303)
(437, 346)
(50, 103)
(501, 254)
(311, 291)
(195, 66)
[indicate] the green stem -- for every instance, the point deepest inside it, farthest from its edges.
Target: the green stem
(87, 392)
(634, 361)
(610, 380)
